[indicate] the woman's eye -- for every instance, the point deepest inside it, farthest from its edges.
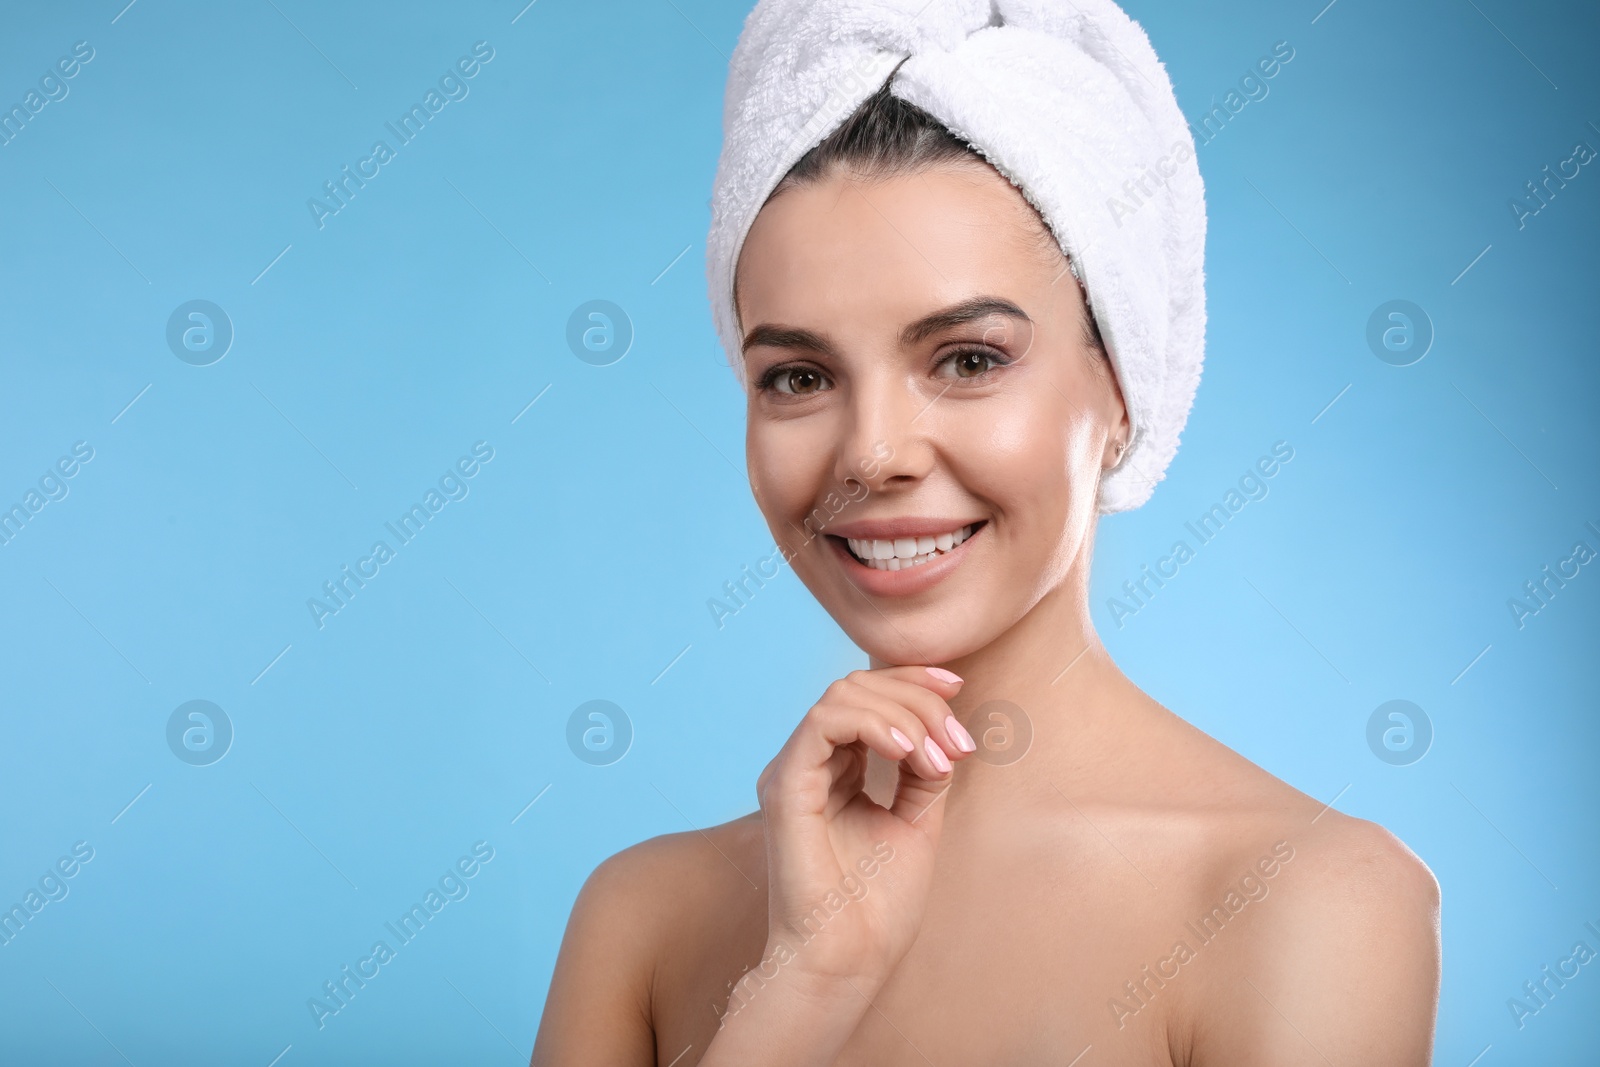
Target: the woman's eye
(795, 381)
(973, 362)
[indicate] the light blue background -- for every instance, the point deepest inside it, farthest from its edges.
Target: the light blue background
(427, 314)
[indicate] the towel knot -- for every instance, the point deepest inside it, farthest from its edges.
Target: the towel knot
(910, 27)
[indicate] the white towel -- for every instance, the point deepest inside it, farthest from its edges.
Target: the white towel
(1066, 98)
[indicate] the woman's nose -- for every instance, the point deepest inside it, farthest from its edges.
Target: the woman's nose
(885, 441)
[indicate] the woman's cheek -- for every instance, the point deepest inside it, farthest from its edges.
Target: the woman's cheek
(778, 480)
(1023, 453)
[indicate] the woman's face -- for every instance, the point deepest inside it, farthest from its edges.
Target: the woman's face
(918, 372)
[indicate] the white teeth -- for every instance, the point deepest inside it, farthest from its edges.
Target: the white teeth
(904, 552)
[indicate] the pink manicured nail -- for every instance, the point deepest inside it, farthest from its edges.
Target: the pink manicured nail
(944, 675)
(936, 754)
(959, 735)
(902, 740)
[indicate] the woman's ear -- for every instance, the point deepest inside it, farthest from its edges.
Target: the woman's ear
(1120, 436)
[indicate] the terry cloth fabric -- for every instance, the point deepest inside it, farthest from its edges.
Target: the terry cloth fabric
(1066, 98)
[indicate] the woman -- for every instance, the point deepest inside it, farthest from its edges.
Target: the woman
(990, 847)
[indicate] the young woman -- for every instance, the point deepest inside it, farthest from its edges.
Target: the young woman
(990, 847)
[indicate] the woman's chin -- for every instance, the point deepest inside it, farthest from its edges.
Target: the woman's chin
(902, 644)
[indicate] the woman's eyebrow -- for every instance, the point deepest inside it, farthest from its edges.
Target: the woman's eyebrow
(786, 337)
(955, 315)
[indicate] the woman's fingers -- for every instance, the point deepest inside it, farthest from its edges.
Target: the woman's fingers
(916, 801)
(925, 692)
(847, 771)
(923, 753)
(803, 773)
(900, 713)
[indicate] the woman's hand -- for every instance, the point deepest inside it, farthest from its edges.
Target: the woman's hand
(824, 833)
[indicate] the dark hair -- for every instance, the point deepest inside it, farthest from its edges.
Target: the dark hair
(887, 136)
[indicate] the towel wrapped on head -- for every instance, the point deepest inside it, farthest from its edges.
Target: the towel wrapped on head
(1066, 98)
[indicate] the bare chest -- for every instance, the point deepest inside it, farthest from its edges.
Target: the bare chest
(1015, 964)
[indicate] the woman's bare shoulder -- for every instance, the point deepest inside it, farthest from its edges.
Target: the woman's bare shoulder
(1344, 866)
(665, 897)
(1330, 921)
(1243, 801)
(659, 877)
(1337, 956)
(635, 915)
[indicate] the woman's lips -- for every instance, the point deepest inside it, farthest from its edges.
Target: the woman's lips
(912, 577)
(898, 553)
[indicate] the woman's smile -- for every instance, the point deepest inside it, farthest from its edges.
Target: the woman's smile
(900, 557)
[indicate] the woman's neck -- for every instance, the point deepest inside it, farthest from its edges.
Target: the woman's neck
(1073, 702)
